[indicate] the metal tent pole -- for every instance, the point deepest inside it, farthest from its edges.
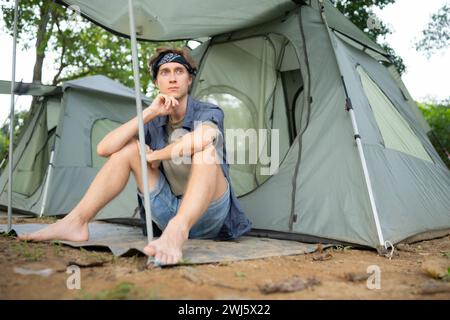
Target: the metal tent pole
(357, 136)
(11, 118)
(47, 183)
(137, 90)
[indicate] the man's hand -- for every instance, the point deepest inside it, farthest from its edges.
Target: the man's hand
(149, 156)
(163, 105)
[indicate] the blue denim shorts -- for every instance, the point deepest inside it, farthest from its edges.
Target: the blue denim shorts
(164, 206)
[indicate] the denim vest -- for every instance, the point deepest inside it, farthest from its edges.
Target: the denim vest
(236, 223)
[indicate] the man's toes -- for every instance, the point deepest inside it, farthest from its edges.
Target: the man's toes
(27, 237)
(22, 236)
(171, 259)
(163, 258)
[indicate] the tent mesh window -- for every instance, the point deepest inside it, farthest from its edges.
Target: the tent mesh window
(100, 129)
(33, 163)
(396, 132)
(257, 83)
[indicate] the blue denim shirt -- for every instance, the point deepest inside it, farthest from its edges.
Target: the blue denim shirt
(236, 223)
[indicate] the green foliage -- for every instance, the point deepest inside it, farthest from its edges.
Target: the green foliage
(31, 14)
(82, 47)
(436, 35)
(437, 115)
(397, 60)
(4, 145)
(359, 13)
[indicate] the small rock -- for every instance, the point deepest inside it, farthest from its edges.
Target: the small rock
(353, 277)
(289, 285)
(433, 287)
(190, 274)
(322, 256)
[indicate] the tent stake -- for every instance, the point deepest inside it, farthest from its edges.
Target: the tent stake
(137, 90)
(11, 117)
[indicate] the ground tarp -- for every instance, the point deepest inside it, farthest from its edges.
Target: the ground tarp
(126, 240)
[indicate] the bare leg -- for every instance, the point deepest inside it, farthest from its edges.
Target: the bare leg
(109, 182)
(206, 183)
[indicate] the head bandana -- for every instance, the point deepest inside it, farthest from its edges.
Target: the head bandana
(171, 57)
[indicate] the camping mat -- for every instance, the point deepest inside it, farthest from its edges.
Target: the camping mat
(124, 240)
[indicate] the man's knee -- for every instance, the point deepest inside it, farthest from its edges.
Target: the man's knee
(128, 152)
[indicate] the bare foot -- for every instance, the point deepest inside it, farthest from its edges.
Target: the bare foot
(168, 248)
(70, 228)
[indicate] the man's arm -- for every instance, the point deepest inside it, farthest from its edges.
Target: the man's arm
(118, 138)
(187, 145)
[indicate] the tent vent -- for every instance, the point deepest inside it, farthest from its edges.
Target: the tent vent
(395, 130)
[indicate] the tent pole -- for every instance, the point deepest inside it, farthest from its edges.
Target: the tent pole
(349, 108)
(11, 118)
(47, 183)
(137, 90)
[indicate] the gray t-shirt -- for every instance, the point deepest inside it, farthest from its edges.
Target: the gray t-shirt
(177, 172)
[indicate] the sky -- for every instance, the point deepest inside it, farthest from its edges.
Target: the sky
(426, 79)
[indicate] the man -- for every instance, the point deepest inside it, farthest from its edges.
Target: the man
(188, 198)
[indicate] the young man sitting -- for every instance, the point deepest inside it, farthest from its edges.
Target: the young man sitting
(190, 188)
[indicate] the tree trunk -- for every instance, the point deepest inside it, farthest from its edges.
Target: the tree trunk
(41, 42)
(37, 72)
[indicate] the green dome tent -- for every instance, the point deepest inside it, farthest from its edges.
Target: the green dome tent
(56, 159)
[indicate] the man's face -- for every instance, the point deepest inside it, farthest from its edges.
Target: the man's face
(173, 79)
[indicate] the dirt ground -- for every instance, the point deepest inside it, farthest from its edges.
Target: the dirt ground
(416, 271)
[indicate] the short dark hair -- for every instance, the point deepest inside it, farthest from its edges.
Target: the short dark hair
(184, 52)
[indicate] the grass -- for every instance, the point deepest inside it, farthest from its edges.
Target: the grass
(93, 254)
(342, 248)
(447, 276)
(122, 291)
(57, 247)
(184, 262)
(27, 252)
(8, 235)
